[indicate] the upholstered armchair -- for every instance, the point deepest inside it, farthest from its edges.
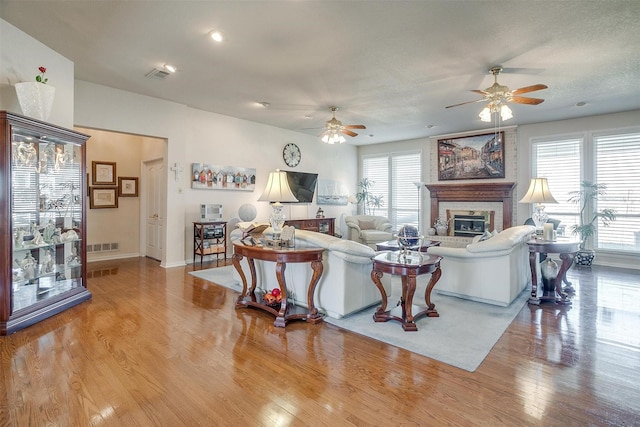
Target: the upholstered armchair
(368, 229)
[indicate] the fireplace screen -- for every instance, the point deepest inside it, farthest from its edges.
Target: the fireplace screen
(470, 223)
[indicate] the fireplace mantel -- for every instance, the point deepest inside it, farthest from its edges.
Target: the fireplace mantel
(486, 192)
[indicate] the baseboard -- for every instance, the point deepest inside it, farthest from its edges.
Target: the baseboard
(108, 257)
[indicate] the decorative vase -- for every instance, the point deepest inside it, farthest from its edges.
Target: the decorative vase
(441, 230)
(549, 269)
(585, 257)
(36, 99)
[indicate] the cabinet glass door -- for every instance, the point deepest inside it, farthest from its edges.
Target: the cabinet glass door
(46, 217)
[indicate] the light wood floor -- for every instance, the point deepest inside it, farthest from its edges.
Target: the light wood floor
(159, 347)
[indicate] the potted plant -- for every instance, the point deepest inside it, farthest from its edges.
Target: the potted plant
(588, 194)
(369, 200)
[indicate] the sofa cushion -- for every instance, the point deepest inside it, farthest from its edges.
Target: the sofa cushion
(367, 225)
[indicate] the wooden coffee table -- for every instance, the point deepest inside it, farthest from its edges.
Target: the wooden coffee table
(408, 266)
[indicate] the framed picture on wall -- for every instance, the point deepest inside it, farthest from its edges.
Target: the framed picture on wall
(471, 157)
(103, 197)
(127, 186)
(103, 173)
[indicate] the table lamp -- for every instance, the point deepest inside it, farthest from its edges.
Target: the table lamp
(538, 193)
(277, 191)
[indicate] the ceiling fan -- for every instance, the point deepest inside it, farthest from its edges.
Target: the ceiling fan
(333, 129)
(498, 95)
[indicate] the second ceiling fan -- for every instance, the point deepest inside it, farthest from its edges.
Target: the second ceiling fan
(333, 129)
(498, 95)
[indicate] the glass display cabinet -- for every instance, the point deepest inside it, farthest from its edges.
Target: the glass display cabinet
(42, 215)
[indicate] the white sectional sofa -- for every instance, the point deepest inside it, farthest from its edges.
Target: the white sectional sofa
(493, 271)
(345, 286)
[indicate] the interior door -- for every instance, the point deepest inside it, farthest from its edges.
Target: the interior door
(154, 208)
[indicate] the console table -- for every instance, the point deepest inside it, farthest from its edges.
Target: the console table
(284, 311)
(567, 249)
(408, 266)
(320, 225)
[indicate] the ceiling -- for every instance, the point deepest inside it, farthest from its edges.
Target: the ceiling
(390, 65)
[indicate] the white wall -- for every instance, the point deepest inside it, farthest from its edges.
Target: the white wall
(20, 57)
(198, 136)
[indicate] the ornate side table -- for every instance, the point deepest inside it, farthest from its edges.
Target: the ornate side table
(408, 266)
(567, 249)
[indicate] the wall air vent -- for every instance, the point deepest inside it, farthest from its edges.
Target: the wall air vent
(156, 74)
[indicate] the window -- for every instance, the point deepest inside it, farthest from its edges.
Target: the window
(608, 159)
(616, 158)
(547, 157)
(393, 176)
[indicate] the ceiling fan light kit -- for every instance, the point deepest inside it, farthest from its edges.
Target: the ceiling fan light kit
(504, 110)
(498, 96)
(334, 130)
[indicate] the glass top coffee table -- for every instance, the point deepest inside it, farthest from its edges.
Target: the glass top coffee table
(392, 245)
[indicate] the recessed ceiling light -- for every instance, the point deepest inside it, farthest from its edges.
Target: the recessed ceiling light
(170, 68)
(216, 36)
(581, 104)
(264, 104)
(429, 126)
(308, 116)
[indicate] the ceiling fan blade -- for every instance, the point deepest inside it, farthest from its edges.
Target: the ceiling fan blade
(525, 100)
(527, 89)
(348, 132)
(481, 92)
(463, 103)
(354, 127)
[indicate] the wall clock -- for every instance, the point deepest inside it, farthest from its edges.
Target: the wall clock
(291, 154)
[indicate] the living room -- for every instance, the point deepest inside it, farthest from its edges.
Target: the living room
(192, 135)
(189, 135)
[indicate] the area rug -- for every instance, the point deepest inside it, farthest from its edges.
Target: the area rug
(462, 336)
(221, 276)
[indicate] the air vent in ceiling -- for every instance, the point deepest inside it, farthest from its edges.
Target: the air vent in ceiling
(156, 74)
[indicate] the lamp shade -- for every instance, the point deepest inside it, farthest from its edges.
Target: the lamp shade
(538, 192)
(277, 189)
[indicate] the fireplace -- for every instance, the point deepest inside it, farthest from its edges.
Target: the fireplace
(470, 223)
(487, 192)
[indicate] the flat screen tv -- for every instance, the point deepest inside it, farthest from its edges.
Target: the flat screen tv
(303, 185)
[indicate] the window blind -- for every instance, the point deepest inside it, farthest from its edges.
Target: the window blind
(405, 200)
(559, 161)
(393, 176)
(376, 169)
(616, 159)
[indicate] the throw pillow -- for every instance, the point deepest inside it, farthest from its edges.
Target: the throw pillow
(486, 236)
(367, 225)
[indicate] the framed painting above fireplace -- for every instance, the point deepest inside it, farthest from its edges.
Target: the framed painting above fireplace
(471, 157)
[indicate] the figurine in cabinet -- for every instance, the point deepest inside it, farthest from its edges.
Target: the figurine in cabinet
(18, 240)
(49, 231)
(28, 265)
(37, 237)
(47, 262)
